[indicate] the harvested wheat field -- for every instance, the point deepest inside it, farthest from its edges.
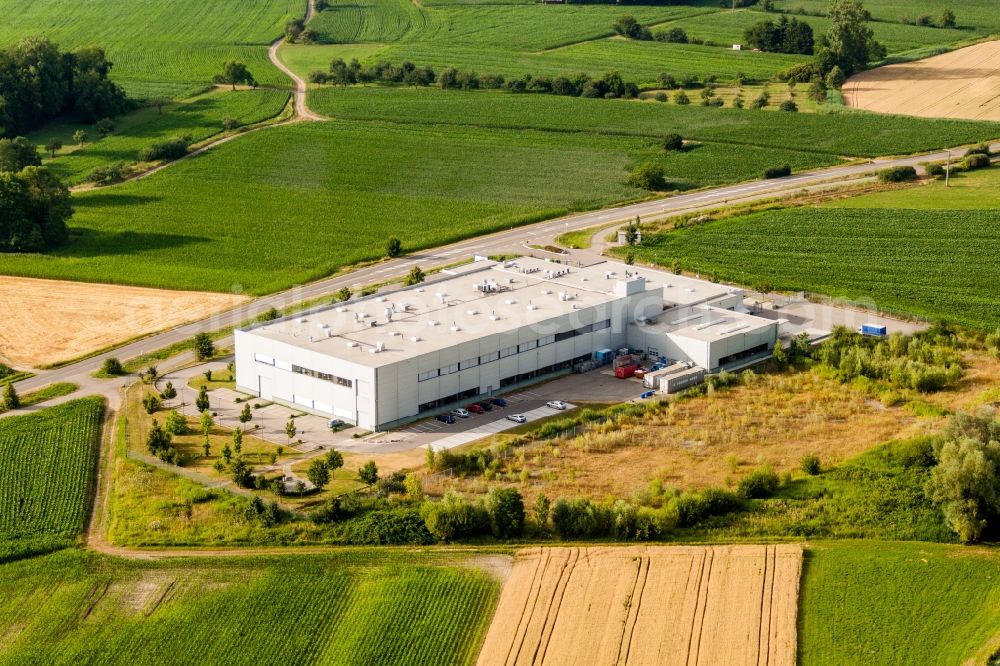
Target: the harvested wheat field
(55, 321)
(662, 605)
(961, 84)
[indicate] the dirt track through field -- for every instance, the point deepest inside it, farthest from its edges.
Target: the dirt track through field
(48, 321)
(960, 84)
(655, 605)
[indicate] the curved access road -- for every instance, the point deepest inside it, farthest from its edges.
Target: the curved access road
(302, 111)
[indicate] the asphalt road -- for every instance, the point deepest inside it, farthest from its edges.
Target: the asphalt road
(509, 241)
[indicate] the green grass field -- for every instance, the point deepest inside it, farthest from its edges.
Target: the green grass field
(349, 607)
(294, 203)
(911, 251)
(161, 47)
(874, 604)
(978, 17)
(47, 469)
(200, 117)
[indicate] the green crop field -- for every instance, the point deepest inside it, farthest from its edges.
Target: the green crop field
(978, 17)
(200, 117)
(160, 47)
(294, 203)
(47, 469)
(349, 607)
(884, 603)
(911, 251)
(850, 133)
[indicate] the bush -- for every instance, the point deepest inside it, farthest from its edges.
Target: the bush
(390, 527)
(979, 149)
(230, 124)
(673, 36)
(171, 149)
(673, 141)
(758, 484)
(175, 423)
(647, 176)
(976, 161)
(574, 518)
(693, 507)
(789, 105)
(109, 173)
(897, 174)
(112, 366)
(810, 465)
(455, 517)
(778, 172)
(935, 169)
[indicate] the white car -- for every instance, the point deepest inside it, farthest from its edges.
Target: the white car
(517, 418)
(556, 404)
(460, 413)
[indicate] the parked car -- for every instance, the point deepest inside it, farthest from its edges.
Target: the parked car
(335, 424)
(475, 408)
(517, 418)
(499, 402)
(445, 418)
(556, 404)
(486, 404)
(460, 413)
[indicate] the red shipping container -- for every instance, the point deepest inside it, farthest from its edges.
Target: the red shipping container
(626, 371)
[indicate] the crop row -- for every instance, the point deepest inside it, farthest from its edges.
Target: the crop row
(47, 467)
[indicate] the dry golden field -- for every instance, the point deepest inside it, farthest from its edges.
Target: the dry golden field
(656, 605)
(55, 321)
(960, 84)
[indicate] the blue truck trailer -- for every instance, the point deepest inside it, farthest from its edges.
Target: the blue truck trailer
(873, 330)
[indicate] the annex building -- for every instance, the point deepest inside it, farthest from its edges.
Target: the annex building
(385, 359)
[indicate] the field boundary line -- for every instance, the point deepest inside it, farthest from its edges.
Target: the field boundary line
(555, 603)
(766, 612)
(530, 604)
(698, 623)
(635, 607)
(99, 507)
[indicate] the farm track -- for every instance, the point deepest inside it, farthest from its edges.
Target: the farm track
(300, 113)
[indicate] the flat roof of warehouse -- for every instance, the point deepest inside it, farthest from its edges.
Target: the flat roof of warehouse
(478, 299)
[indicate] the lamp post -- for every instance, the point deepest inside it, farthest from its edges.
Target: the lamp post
(947, 171)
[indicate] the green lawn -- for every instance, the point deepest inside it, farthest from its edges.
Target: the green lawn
(885, 603)
(294, 203)
(47, 469)
(850, 133)
(159, 47)
(911, 251)
(200, 117)
(349, 607)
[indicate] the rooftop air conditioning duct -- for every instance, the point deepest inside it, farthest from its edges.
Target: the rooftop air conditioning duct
(415, 338)
(352, 343)
(432, 323)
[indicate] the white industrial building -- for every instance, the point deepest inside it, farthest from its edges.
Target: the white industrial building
(386, 359)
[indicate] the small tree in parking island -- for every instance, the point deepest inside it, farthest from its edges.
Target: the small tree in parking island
(368, 473)
(344, 294)
(318, 474)
(169, 392)
(203, 347)
(201, 402)
(394, 247)
(245, 415)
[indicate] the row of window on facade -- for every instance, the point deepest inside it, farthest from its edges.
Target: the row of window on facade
(298, 369)
(510, 351)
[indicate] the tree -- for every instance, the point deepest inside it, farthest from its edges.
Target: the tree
(81, 137)
(227, 453)
(104, 126)
(10, 398)
(416, 276)
(647, 176)
(817, 90)
(206, 422)
(241, 473)
(627, 26)
(368, 473)
(34, 208)
(245, 415)
(394, 247)
(318, 474)
(158, 440)
(788, 105)
(673, 141)
(632, 233)
(343, 294)
(202, 402)
(850, 42)
(203, 347)
(169, 392)
(290, 429)
(53, 145)
(674, 35)
(966, 483)
(542, 507)
(947, 18)
(334, 460)
(835, 78)
(506, 510)
(680, 97)
(235, 73)
(175, 423)
(206, 447)
(159, 103)
(810, 464)
(238, 440)
(112, 366)
(18, 153)
(151, 404)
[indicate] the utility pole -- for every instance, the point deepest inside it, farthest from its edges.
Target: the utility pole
(947, 172)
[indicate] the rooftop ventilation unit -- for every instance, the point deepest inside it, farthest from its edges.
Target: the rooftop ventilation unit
(455, 329)
(329, 333)
(300, 320)
(380, 346)
(415, 338)
(494, 317)
(698, 315)
(707, 324)
(472, 313)
(532, 307)
(380, 299)
(546, 292)
(322, 326)
(690, 290)
(510, 301)
(419, 290)
(352, 343)
(394, 334)
(733, 329)
(432, 323)
(341, 309)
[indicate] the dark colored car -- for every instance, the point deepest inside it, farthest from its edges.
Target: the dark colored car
(499, 402)
(475, 408)
(485, 404)
(445, 418)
